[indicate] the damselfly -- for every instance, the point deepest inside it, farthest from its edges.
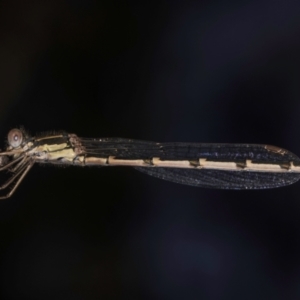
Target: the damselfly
(222, 166)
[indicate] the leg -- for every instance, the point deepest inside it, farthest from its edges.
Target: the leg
(15, 175)
(26, 170)
(12, 163)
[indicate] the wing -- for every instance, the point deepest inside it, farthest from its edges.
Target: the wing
(217, 179)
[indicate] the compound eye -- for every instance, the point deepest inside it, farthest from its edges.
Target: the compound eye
(15, 138)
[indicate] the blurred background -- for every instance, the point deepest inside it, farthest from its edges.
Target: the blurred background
(189, 71)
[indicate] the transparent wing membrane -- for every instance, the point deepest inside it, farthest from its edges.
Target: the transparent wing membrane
(218, 179)
(131, 149)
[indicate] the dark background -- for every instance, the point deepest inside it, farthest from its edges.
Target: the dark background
(189, 71)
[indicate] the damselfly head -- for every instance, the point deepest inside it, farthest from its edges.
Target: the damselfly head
(15, 138)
